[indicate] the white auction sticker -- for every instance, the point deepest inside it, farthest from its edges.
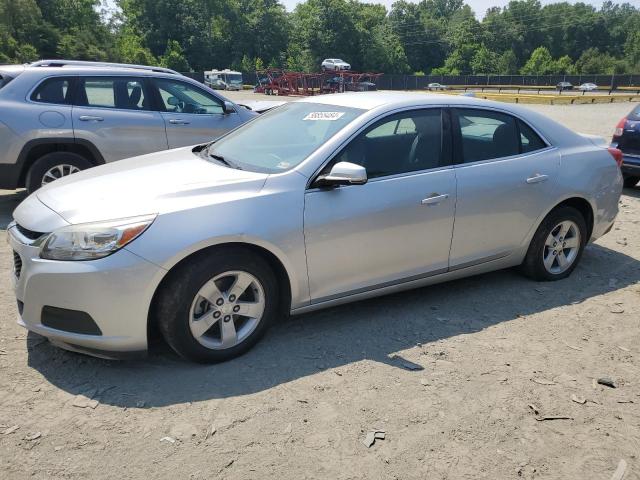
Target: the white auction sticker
(324, 116)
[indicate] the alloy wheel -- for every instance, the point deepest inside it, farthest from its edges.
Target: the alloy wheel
(226, 310)
(561, 247)
(58, 171)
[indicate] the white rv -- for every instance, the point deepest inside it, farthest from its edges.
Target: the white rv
(223, 79)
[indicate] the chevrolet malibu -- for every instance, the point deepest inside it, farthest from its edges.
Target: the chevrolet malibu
(321, 201)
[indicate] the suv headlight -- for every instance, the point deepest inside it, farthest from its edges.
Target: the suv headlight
(90, 241)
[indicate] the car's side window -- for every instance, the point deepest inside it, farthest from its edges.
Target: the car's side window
(180, 97)
(530, 141)
(400, 143)
(487, 134)
(123, 93)
(53, 90)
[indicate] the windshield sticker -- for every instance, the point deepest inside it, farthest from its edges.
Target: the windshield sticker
(331, 116)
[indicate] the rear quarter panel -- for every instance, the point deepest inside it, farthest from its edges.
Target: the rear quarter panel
(590, 172)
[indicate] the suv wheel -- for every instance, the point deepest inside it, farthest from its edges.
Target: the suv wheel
(216, 307)
(557, 245)
(53, 166)
(630, 182)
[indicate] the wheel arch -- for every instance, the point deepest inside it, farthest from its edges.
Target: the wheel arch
(35, 149)
(276, 264)
(580, 203)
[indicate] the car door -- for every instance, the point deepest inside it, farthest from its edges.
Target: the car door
(191, 114)
(395, 227)
(115, 114)
(505, 180)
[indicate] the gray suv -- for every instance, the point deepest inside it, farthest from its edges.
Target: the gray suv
(58, 117)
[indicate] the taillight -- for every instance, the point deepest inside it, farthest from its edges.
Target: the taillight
(620, 127)
(616, 154)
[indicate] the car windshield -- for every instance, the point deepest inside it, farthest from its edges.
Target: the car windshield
(283, 137)
(234, 78)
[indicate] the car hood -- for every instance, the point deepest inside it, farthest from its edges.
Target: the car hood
(151, 184)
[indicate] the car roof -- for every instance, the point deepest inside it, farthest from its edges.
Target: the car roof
(99, 70)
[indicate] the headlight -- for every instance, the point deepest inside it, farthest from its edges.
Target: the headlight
(90, 241)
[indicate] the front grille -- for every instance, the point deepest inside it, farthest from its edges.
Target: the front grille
(17, 264)
(30, 234)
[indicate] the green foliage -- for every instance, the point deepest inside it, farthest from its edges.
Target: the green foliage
(540, 63)
(438, 36)
(174, 58)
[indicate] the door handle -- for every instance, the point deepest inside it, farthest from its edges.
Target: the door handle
(434, 199)
(178, 121)
(537, 178)
(90, 118)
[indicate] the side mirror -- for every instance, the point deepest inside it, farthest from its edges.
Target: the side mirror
(228, 107)
(173, 101)
(343, 173)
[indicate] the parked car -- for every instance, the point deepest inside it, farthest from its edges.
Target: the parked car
(339, 84)
(588, 87)
(334, 64)
(211, 244)
(627, 138)
(437, 86)
(561, 86)
(59, 117)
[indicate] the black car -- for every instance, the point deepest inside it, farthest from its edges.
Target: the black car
(626, 138)
(564, 86)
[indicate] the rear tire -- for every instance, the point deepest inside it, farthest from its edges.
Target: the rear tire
(201, 291)
(630, 182)
(557, 246)
(52, 166)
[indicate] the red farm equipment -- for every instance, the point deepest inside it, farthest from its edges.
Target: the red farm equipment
(274, 81)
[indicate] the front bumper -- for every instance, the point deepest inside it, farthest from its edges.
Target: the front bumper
(115, 292)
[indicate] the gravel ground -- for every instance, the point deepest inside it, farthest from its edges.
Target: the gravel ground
(492, 349)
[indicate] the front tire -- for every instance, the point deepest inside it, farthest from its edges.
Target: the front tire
(557, 245)
(218, 305)
(630, 182)
(53, 166)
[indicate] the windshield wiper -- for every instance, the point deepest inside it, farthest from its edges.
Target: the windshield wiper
(221, 159)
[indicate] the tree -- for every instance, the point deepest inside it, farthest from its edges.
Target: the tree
(174, 58)
(485, 62)
(540, 63)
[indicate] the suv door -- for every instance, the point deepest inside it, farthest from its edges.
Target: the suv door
(114, 113)
(395, 227)
(506, 180)
(191, 114)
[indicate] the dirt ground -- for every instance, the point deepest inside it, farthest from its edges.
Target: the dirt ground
(499, 354)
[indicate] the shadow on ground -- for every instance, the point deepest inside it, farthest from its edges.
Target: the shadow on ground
(304, 345)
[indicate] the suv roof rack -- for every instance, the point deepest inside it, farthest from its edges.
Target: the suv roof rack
(83, 63)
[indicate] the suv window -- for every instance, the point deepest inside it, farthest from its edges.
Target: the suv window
(112, 92)
(530, 141)
(486, 135)
(181, 97)
(400, 143)
(53, 90)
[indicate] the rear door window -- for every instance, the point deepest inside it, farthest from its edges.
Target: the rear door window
(112, 92)
(486, 135)
(55, 90)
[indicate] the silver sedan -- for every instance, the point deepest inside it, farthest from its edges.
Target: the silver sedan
(321, 201)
